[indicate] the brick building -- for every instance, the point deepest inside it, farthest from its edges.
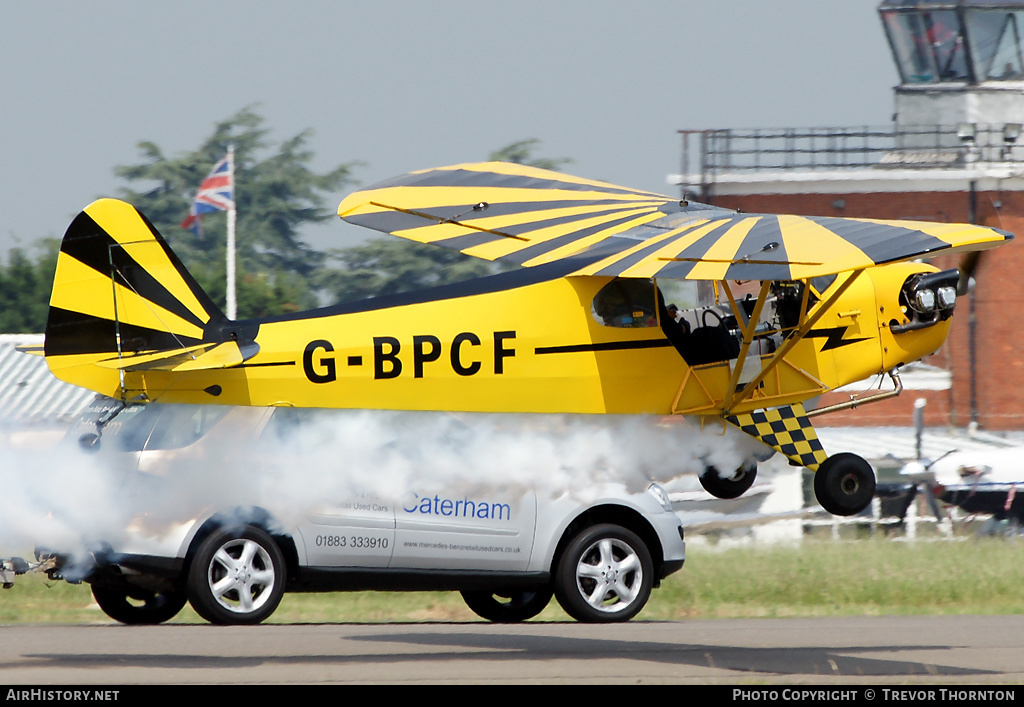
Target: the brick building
(952, 154)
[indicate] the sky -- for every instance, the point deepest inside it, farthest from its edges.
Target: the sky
(400, 85)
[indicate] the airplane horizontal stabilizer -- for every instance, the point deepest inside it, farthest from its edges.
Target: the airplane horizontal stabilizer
(31, 349)
(196, 358)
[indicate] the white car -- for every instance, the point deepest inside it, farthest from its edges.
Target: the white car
(507, 549)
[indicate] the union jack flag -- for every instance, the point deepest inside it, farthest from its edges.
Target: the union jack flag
(216, 193)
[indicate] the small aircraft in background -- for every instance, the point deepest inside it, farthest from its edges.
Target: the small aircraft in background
(980, 475)
(984, 482)
(582, 327)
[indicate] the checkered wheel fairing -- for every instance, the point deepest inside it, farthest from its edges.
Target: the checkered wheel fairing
(787, 430)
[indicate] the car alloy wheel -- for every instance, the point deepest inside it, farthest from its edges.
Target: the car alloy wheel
(604, 575)
(237, 576)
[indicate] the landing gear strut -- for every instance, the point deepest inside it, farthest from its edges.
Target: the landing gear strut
(844, 484)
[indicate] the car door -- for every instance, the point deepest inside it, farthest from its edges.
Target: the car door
(351, 526)
(357, 531)
(484, 529)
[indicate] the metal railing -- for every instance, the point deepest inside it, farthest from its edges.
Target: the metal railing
(709, 153)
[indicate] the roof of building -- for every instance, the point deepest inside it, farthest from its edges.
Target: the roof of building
(29, 393)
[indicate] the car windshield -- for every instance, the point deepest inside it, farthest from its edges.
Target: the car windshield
(155, 426)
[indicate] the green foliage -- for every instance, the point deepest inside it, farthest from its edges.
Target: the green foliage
(25, 289)
(389, 265)
(521, 152)
(846, 578)
(275, 193)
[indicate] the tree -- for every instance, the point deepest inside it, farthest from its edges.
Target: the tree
(389, 265)
(275, 196)
(25, 289)
(521, 152)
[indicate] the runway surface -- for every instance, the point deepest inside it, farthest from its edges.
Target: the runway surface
(957, 650)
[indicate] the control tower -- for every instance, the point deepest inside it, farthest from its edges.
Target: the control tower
(953, 151)
(960, 63)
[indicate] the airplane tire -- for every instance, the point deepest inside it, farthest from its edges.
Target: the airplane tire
(729, 488)
(508, 607)
(237, 576)
(844, 484)
(136, 606)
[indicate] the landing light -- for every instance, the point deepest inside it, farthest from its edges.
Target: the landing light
(925, 300)
(947, 297)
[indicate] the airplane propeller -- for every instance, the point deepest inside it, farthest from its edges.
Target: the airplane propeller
(968, 265)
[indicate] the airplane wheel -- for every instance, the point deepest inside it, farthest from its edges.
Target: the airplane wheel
(844, 484)
(508, 607)
(729, 488)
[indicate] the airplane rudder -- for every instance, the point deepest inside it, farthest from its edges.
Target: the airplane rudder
(115, 271)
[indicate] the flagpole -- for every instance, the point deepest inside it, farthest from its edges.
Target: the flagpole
(231, 304)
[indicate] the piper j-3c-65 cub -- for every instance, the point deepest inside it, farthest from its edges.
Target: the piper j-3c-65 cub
(582, 328)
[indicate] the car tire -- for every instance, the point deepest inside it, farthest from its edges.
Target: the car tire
(136, 606)
(728, 488)
(604, 575)
(508, 607)
(237, 576)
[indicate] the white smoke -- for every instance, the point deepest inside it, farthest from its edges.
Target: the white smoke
(72, 500)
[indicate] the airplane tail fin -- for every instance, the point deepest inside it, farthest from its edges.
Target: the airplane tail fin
(122, 301)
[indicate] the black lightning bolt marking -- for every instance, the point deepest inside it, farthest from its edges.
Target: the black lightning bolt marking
(833, 337)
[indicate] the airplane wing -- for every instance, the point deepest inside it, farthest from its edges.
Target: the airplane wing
(530, 216)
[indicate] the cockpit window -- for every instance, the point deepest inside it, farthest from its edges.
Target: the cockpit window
(626, 302)
(822, 283)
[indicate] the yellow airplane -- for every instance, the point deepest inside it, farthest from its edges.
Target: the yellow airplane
(582, 327)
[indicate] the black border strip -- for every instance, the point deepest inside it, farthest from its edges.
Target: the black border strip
(268, 364)
(606, 346)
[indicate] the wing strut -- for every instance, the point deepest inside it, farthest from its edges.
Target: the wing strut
(812, 318)
(747, 328)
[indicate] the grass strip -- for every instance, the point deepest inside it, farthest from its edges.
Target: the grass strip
(870, 577)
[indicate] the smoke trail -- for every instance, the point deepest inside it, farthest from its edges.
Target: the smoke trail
(71, 500)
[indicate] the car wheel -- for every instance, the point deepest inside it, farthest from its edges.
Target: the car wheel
(237, 576)
(508, 607)
(729, 488)
(604, 575)
(136, 606)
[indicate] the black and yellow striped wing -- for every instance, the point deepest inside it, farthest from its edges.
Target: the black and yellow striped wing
(532, 216)
(508, 211)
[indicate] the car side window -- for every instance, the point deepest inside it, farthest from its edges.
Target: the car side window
(182, 425)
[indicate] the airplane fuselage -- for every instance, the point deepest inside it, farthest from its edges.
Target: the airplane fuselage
(531, 341)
